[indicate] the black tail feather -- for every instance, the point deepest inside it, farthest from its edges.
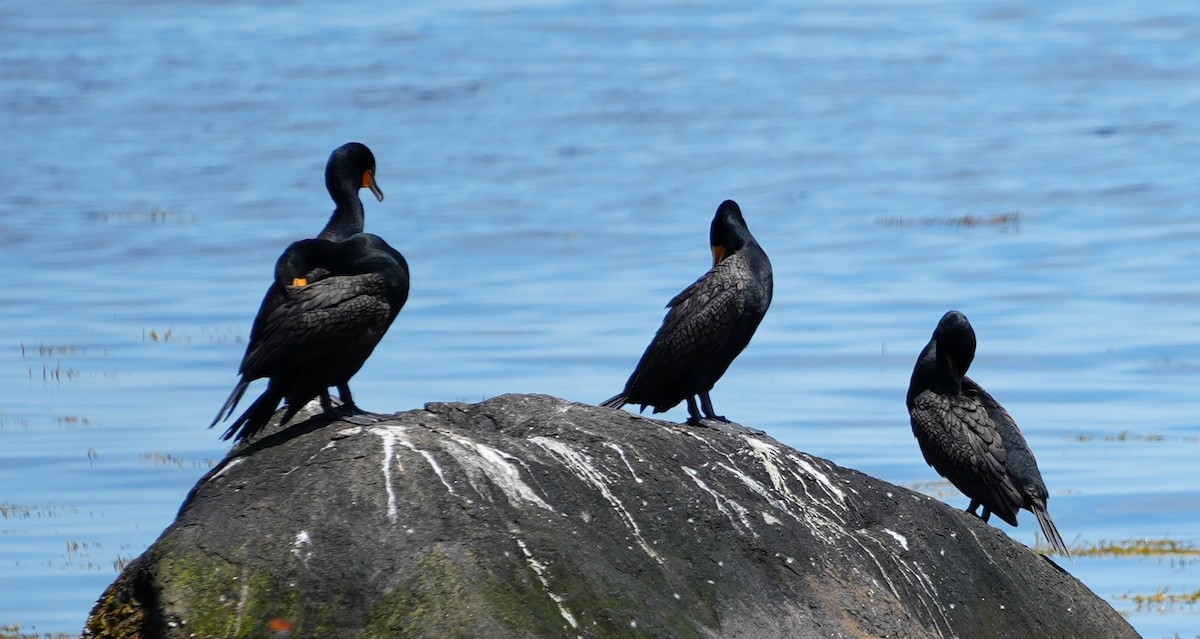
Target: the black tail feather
(1050, 530)
(616, 401)
(231, 402)
(257, 415)
(292, 409)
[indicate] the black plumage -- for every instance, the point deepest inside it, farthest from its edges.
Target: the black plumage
(707, 325)
(350, 167)
(968, 437)
(330, 304)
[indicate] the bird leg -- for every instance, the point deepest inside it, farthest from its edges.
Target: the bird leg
(344, 395)
(706, 405)
(350, 412)
(714, 421)
(330, 403)
(355, 415)
(694, 418)
(975, 503)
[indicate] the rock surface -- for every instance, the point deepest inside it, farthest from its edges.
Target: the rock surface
(530, 516)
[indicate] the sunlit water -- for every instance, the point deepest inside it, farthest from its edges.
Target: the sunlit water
(551, 170)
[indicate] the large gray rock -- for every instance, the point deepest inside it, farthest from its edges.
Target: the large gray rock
(530, 516)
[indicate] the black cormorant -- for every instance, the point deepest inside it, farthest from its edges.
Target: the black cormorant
(329, 306)
(350, 167)
(707, 326)
(968, 437)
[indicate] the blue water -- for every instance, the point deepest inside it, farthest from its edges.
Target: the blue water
(551, 169)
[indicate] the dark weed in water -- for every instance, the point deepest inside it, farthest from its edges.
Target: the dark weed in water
(23, 424)
(1130, 436)
(58, 373)
(171, 336)
(80, 549)
(1134, 548)
(121, 561)
(15, 631)
(164, 337)
(51, 350)
(167, 460)
(79, 556)
(1007, 221)
(72, 422)
(153, 216)
(1161, 600)
(1171, 364)
(23, 511)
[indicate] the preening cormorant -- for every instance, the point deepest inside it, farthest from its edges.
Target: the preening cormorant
(707, 326)
(350, 167)
(330, 304)
(968, 437)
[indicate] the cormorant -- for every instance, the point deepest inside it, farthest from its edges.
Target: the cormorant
(968, 437)
(330, 304)
(350, 167)
(707, 326)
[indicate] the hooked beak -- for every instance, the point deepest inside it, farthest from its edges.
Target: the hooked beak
(370, 183)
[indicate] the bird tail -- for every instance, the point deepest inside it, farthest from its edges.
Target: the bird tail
(616, 401)
(1050, 531)
(231, 403)
(256, 416)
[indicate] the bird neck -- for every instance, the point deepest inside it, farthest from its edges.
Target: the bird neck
(933, 373)
(347, 219)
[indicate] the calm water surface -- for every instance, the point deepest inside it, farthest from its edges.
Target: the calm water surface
(551, 170)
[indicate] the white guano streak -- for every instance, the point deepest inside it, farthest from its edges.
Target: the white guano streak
(389, 444)
(302, 539)
(721, 500)
(898, 537)
(432, 463)
(494, 464)
(919, 583)
(770, 457)
(470, 455)
(759, 490)
(539, 569)
(227, 467)
(821, 477)
(580, 465)
(822, 518)
(627, 464)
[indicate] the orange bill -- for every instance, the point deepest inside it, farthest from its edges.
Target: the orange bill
(369, 182)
